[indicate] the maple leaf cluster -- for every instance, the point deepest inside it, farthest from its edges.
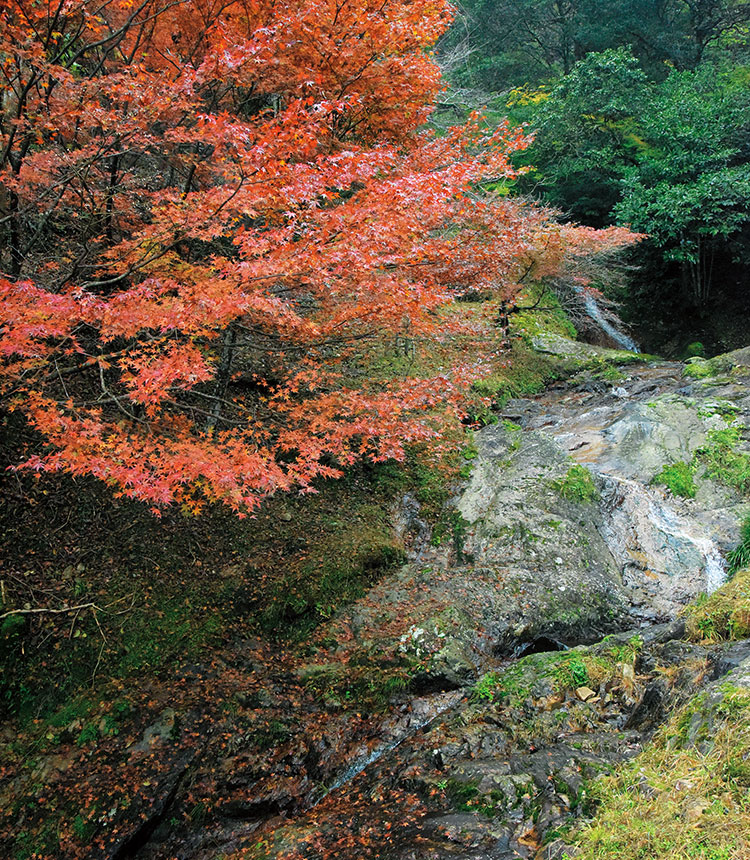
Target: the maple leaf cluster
(214, 212)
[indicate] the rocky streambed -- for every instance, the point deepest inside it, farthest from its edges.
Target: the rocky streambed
(518, 654)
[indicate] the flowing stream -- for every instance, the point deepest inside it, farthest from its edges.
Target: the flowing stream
(422, 716)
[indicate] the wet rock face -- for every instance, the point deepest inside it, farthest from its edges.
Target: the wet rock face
(667, 548)
(635, 548)
(545, 550)
(538, 552)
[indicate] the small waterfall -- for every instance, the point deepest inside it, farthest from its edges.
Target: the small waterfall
(594, 311)
(715, 567)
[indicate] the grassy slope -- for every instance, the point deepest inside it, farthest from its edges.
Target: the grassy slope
(687, 796)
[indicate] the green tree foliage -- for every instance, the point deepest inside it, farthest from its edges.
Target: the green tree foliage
(529, 41)
(691, 183)
(587, 134)
(681, 34)
(516, 41)
(641, 111)
(669, 158)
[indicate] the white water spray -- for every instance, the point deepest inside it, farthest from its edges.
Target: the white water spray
(594, 311)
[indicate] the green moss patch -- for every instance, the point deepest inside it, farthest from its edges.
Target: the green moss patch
(347, 558)
(547, 318)
(719, 459)
(698, 368)
(523, 373)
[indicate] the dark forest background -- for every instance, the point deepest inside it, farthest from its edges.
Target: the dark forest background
(641, 111)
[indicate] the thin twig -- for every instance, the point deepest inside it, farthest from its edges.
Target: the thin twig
(101, 649)
(52, 611)
(81, 606)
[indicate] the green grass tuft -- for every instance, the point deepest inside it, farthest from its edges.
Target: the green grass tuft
(723, 615)
(678, 479)
(723, 461)
(739, 557)
(577, 485)
(676, 800)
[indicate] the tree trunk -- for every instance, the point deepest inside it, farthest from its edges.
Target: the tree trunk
(16, 256)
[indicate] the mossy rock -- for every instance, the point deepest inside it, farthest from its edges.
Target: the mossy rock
(719, 368)
(723, 615)
(698, 368)
(537, 677)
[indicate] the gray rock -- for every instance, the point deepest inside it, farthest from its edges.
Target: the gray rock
(160, 732)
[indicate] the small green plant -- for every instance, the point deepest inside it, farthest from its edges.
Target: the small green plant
(611, 374)
(486, 688)
(84, 828)
(274, 734)
(724, 408)
(11, 627)
(577, 485)
(466, 797)
(29, 845)
(469, 453)
(626, 653)
(572, 673)
(678, 479)
(470, 450)
(462, 793)
(451, 525)
(88, 735)
(739, 557)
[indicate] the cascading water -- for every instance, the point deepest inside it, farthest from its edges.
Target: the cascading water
(595, 312)
(674, 526)
(716, 570)
(645, 534)
(431, 709)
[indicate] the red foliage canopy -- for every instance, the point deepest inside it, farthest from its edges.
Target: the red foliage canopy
(213, 211)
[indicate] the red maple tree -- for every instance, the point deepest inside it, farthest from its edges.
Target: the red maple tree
(214, 212)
